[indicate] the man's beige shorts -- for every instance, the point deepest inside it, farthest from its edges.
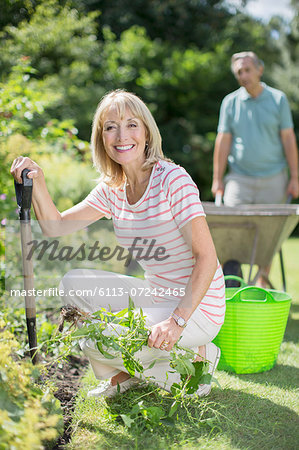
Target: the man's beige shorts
(241, 189)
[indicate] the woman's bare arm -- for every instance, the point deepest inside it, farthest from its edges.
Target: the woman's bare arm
(52, 222)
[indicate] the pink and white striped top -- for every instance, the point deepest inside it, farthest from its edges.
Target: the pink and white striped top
(169, 202)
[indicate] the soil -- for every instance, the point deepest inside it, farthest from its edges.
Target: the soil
(66, 377)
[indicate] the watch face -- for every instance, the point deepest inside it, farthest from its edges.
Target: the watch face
(181, 322)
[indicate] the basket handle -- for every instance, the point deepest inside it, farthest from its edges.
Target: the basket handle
(235, 277)
(267, 295)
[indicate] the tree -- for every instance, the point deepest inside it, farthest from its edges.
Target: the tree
(180, 22)
(15, 11)
(178, 62)
(64, 52)
(285, 73)
(24, 130)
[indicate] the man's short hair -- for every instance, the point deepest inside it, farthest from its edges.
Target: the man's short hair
(255, 59)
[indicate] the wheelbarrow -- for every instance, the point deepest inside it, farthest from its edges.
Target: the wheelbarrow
(250, 234)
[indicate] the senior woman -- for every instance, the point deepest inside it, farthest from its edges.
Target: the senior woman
(154, 204)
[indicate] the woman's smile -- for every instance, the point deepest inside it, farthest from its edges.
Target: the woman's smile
(124, 148)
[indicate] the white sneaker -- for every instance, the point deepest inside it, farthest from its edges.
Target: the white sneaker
(107, 390)
(212, 355)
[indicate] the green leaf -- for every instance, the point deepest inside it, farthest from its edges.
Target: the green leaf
(173, 408)
(206, 378)
(131, 305)
(175, 389)
(121, 313)
(128, 365)
(14, 411)
(104, 352)
(81, 332)
(99, 315)
(154, 414)
(151, 365)
(127, 420)
(137, 408)
(183, 365)
(196, 379)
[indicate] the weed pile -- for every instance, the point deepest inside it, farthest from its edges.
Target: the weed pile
(127, 334)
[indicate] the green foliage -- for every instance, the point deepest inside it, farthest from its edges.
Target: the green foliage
(15, 325)
(180, 22)
(143, 416)
(125, 333)
(26, 129)
(15, 11)
(174, 54)
(182, 86)
(285, 73)
(139, 418)
(128, 335)
(29, 416)
(68, 180)
(55, 36)
(64, 51)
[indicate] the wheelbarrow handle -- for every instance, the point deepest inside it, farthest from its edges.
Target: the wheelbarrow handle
(24, 196)
(283, 276)
(218, 198)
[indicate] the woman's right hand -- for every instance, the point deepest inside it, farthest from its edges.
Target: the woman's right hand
(52, 222)
(21, 163)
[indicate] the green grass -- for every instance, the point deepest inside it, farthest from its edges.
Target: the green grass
(253, 411)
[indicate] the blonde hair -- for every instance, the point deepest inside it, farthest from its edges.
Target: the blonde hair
(112, 172)
(241, 55)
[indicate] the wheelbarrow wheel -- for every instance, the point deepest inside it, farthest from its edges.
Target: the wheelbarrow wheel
(232, 267)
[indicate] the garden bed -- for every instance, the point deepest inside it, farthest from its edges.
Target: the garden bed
(66, 376)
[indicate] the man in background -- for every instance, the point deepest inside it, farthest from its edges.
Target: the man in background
(256, 138)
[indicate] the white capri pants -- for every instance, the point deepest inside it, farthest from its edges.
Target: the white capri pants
(91, 290)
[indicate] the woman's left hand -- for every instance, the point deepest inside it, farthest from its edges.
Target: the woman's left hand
(165, 334)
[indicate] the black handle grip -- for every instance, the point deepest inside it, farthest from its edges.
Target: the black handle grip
(31, 329)
(24, 195)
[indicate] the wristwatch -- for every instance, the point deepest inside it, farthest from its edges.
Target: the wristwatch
(179, 320)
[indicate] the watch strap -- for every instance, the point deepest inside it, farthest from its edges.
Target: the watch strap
(179, 319)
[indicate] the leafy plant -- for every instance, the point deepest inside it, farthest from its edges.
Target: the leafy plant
(125, 333)
(27, 129)
(142, 416)
(29, 416)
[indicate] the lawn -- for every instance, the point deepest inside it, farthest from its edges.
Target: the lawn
(253, 411)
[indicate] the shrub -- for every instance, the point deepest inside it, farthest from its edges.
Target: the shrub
(68, 179)
(29, 416)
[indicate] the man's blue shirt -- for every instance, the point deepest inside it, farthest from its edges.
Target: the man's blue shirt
(255, 125)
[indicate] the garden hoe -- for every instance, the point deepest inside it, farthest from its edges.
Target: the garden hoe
(24, 196)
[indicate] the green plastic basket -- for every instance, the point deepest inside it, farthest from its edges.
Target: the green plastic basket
(253, 328)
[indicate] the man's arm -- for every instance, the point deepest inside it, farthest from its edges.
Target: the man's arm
(222, 150)
(288, 140)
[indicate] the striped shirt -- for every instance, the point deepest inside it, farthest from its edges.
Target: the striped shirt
(150, 229)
